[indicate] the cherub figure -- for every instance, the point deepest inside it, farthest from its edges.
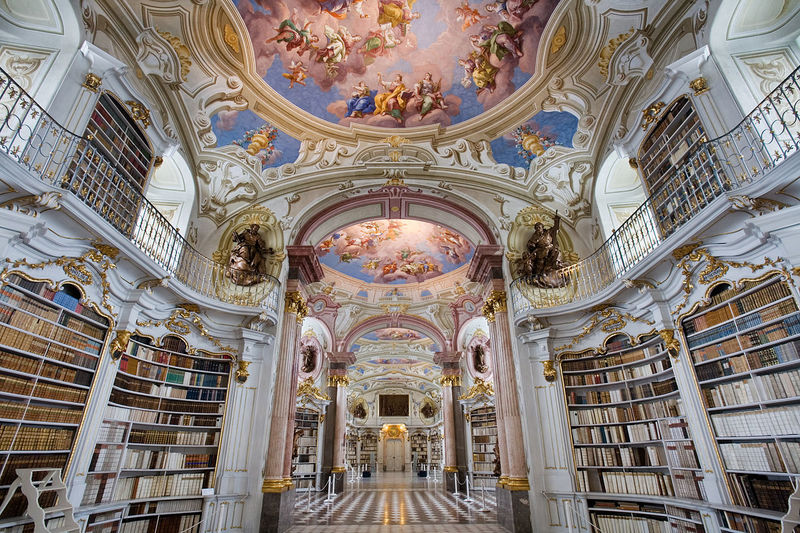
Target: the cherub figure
(495, 42)
(297, 73)
(468, 14)
(294, 36)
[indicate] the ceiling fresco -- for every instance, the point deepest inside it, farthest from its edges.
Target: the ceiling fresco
(393, 334)
(395, 63)
(534, 137)
(257, 137)
(395, 251)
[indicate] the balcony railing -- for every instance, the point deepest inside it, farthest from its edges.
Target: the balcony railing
(58, 157)
(762, 141)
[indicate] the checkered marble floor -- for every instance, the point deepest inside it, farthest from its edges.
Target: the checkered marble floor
(395, 502)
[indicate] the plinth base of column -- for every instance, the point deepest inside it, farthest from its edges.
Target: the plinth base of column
(514, 508)
(277, 510)
(449, 484)
(339, 485)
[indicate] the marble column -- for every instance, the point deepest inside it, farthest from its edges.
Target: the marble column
(451, 385)
(276, 509)
(338, 381)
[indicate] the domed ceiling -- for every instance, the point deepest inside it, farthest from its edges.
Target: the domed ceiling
(395, 251)
(395, 63)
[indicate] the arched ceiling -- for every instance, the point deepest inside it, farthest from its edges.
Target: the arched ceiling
(336, 59)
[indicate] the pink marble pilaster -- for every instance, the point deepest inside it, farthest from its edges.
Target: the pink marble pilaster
(337, 377)
(451, 376)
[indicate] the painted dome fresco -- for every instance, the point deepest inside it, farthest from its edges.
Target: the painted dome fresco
(395, 63)
(395, 251)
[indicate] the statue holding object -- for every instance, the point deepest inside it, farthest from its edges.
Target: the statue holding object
(541, 260)
(247, 265)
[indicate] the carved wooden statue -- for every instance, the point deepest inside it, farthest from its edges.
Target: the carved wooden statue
(298, 432)
(479, 358)
(309, 354)
(496, 461)
(542, 258)
(427, 410)
(246, 264)
(359, 411)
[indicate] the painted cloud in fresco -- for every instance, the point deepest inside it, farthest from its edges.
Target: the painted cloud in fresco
(532, 139)
(394, 334)
(394, 251)
(339, 59)
(255, 136)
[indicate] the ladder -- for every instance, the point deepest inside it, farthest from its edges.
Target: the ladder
(50, 482)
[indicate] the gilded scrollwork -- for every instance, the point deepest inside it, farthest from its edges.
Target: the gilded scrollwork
(495, 303)
(242, 373)
(479, 388)
(295, 304)
(670, 342)
(609, 320)
(549, 370)
(338, 381)
(177, 323)
(120, 343)
(450, 381)
(306, 390)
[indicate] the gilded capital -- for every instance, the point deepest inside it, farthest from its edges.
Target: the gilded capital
(699, 85)
(92, 82)
(296, 305)
(495, 303)
(451, 381)
(338, 381)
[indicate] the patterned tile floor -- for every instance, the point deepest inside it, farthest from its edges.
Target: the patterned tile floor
(396, 502)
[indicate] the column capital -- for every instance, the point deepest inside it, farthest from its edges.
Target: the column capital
(451, 380)
(296, 305)
(496, 302)
(486, 264)
(304, 264)
(338, 380)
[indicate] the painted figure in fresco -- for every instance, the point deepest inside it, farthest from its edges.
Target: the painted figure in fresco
(392, 102)
(479, 71)
(246, 263)
(511, 10)
(542, 257)
(361, 101)
(338, 8)
(340, 43)
(429, 96)
(309, 354)
(295, 37)
(378, 43)
(468, 14)
(495, 42)
(479, 358)
(397, 13)
(297, 73)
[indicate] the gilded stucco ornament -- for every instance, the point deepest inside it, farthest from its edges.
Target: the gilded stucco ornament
(651, 113)
(609, 320)
(92, 82)
(338, 381)
(177, 323)
(549, 371)
(699, 86)
(231, 38)
(760, 205)
(34, 204)
(670, 342)
(119, 344)
(559, 40)
(307, 391)
(450, 381)
(181, 50)
(139, 112)
(608, 51)
(295, 304)
(495, 303)
(479, 388)
(241, 370)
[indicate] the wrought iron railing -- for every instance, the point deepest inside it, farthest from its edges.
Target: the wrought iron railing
(34, 140)
(763, 140)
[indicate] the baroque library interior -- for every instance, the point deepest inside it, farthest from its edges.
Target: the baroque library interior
(351, 266)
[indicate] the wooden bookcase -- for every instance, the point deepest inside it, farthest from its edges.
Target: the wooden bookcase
(665, 148)
(629, 432)
(483, 424)
(612, 515)
(50, 347)
(369, 452)
(114, 168)
(158, 443)
(352, 450)
(306, 423)
(436, 450)
(419, 450)
(745, 347)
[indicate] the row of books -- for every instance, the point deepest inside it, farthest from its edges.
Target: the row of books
(61, 298)
(748, 524)
(11, 298)
(31, 344)
(688, 484)
(155, 417)
(734, 393)
(637, 392)
(191, 438)
(614, 376)
(42, 389)
(150, 459)
(682, 455)
(133, 488)
(631, 456)
(184, 524)
(171, 375)
(608, 523)
(35, 438)
(111, 432)
(36, 413)
(155, 355)
(649, 483)
(782, 329)
(99, 488)
(763, 358)
(105, 459)
(783, 420)
(761, 492)
(167, 506)
(485, 430)
(632, 413)
(781, 384)
(476, 447)
(38, 367)
(745, 305)
(121, 397)
(45, 460)
(644, 432)
(44, 328)
(757, 456)
(586, 362)
(169, 391)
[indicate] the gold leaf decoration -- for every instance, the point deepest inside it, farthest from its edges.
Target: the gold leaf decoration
(231, 38)
(178, 322)
(559, 40)
(609, 320)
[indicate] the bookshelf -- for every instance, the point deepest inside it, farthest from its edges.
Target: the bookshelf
(483, 427)
(114, 167)
(419, 450)
(369, 452)
(352, 450)
(612, 516)
(663, 151)
(436, 450)
(306, 425)
(157, 446)
(629, 432)
(745, 348)
(50, 347)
